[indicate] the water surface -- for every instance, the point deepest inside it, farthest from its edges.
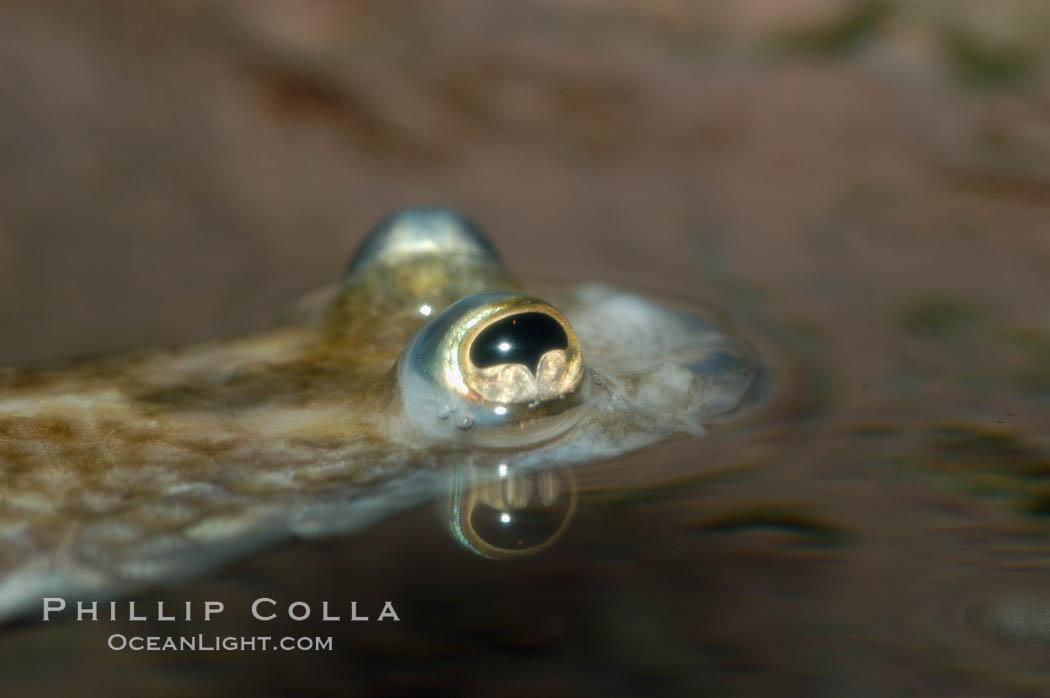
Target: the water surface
(867, 198)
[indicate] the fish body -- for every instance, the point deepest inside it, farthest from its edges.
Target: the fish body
(150, 467)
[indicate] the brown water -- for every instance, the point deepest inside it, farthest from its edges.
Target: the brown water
(865, 188)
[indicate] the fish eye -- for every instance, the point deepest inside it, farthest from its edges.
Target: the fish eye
(419, 231)
(494, 369)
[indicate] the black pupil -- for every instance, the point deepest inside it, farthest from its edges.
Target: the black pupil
(518, 339)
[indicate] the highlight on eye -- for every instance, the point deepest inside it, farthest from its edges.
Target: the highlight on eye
(496, 368)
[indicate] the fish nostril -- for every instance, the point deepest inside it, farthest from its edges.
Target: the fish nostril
(518, 339)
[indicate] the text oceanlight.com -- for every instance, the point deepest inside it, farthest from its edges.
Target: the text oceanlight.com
(215, 643)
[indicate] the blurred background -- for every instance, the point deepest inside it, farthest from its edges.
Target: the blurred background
(868, 181)
(172, 170)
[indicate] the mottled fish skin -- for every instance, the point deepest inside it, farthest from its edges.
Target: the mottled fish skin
(150, 467)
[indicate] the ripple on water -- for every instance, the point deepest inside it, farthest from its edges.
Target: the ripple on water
(990, 629)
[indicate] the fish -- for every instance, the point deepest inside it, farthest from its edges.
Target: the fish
(426, 371)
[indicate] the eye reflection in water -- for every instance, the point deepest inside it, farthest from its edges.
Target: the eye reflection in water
(501, 512)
